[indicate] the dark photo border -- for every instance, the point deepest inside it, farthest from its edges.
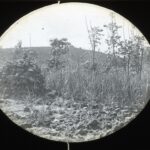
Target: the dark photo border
(135, 135)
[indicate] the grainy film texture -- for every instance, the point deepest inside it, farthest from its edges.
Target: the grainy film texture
(73, 72)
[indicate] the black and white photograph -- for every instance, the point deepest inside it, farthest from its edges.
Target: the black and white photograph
(73, 72)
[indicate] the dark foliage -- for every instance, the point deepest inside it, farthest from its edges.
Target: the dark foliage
(22, 77)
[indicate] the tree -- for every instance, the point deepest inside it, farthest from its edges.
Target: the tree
(58, 49)
(94, 35)
(139, 48)
(133, 50)
(113, 41)
(28, 54)
(56, 64)
(126, 50)
(148, 54)
(19, 45)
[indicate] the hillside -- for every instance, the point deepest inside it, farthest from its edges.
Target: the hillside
(78, 104)
(75, 54)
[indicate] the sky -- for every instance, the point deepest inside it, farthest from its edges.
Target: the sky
(61, 21)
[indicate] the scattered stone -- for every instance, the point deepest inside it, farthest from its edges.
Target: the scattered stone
(27, 109)
(93, 125)
(26, 125)
(82, 132)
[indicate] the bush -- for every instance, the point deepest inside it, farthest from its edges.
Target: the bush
(22, 77)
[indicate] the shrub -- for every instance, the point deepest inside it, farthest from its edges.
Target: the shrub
(22, 77)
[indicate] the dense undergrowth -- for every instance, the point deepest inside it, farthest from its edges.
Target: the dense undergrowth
(74, 99)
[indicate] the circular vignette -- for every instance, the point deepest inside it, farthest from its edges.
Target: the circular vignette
(90, 41)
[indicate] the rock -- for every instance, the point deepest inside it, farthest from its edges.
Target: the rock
(46, 123)
(84, 105)
(95, 107)
(27, 109)
(82, 132)
(80, 126)
(108, 126)
(93, 125)
(26, 125)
